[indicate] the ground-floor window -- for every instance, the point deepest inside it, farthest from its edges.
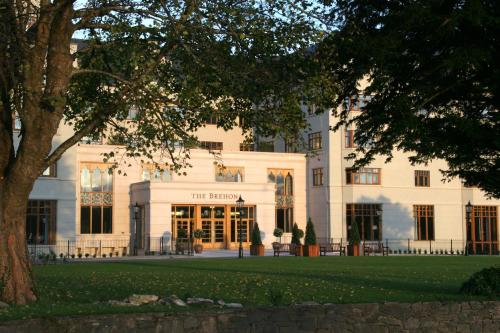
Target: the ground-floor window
(424, 221)
(483, 230)
(220, 223)
(41, 221)
(284, 219)
(369, 220)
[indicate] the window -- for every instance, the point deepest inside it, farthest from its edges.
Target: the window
(91, 140)
(156, 174)
(229, 174)
(248, 214)
(211, 145)
(349, 138)
(266, 146)
(213, 120)
(51, 171)
(17, 122)
(96, 199)
(283, 180)
(317, 177)
(482, 231)
(41, 222)
(291, 146)
(424, 221)
(366, 176)
(422, 178)
(369, 220)
(311, 109)
(315, 141)
(357, 103)
(247, 147)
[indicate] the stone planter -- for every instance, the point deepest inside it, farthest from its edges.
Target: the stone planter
(353, 250)
(257, 250)
(311, 250)
(299, 251)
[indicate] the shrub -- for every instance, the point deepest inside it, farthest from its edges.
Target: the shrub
(486, 282)
(278, 233)
(61, 255)
(256, 240)
(297, 234)
(104, 255)
(198, 234)
(73, 256)
(354, 239)
(310, 238)
(275, 296)
(182, 234)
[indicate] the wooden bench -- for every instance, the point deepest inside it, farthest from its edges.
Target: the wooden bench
(331, 247)
(375, 247)
(280, 247)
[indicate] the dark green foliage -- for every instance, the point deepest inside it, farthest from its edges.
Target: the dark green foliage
(256, 240)
(434, 72)
(310, 234)
(275, 296)
(182, 234)
(278, 232)
(486, 282)
(297, 234)
(198, 233)
(354, 238)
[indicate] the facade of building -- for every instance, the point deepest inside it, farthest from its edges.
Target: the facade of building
(408, 207)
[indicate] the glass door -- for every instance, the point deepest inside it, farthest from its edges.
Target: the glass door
(241, 227)
(212, 223)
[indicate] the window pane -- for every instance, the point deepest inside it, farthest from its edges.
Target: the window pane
(96, 180)
(85, 220)
(96, 220)
(107, 220)
(107, 180)
(85, 180)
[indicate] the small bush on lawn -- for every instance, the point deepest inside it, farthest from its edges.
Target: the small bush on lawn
(486, 282)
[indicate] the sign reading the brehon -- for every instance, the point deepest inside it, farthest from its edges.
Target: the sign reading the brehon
(216, 196)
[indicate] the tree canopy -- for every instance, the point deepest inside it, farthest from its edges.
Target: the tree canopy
(433, 76)
(174, 64)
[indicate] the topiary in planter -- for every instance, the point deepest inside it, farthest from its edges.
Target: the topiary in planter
(310, 234)
(278, 233)
(486, 282)
(354, 240)
(256, 249)
(296, 235)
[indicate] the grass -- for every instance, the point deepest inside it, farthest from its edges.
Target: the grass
(74, 289)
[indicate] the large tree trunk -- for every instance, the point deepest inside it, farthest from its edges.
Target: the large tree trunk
(16, 279)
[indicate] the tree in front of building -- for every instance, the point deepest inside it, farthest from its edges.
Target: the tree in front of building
(311, 249)
(147, 75)
(256, 248)
(354, 240)
(432, 71)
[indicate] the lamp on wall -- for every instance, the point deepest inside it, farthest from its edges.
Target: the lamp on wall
(468, 217)
(239, 203)
(136, 218)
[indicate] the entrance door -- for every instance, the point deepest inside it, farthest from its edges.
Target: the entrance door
(245, 223)
(212, 223)
(484, 230)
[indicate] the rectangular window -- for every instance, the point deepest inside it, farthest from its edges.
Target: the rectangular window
(291, 146)
(247, 147)
(51, 171)
(311, 109)
(213, 120)
(317, 176)
(266, 146)
(315, 141)
(369, 220)
(357, 103)
(211, 145)
(365, 176)
(96, 199)
(41, 222)
(17, 122)
(424, 222)
(229, 174)
(422, 178)
(349, 138)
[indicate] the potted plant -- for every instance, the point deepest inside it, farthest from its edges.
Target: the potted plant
(198, 234)
(311, 249)
(296, 247)
(278, 233)
(354, 240)
(256, 249)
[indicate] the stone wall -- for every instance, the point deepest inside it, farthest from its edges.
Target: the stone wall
(389, 317)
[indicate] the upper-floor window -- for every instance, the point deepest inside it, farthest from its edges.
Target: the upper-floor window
(357, 103)
(211, 145)
(96, 199)
(311, 109)
(229, 174)
(317, 176)
(91, 140)
(315, 141)
(422, 178)
(266, 146)
(367, 176)
(17, 122)
(247, 147)
(349, 138)
(156, 174)
(212, 120)
(51, 171)
(283, 179)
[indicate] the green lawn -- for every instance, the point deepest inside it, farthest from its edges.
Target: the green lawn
(77, 288)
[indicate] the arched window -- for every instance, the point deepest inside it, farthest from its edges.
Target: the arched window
(107, 180)
(85, 180)
(239, 179)
(146, 175)
(289, 184)
(96, 180)
(219, 177)
(271, 178)
(166, 176)
(280, 184)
